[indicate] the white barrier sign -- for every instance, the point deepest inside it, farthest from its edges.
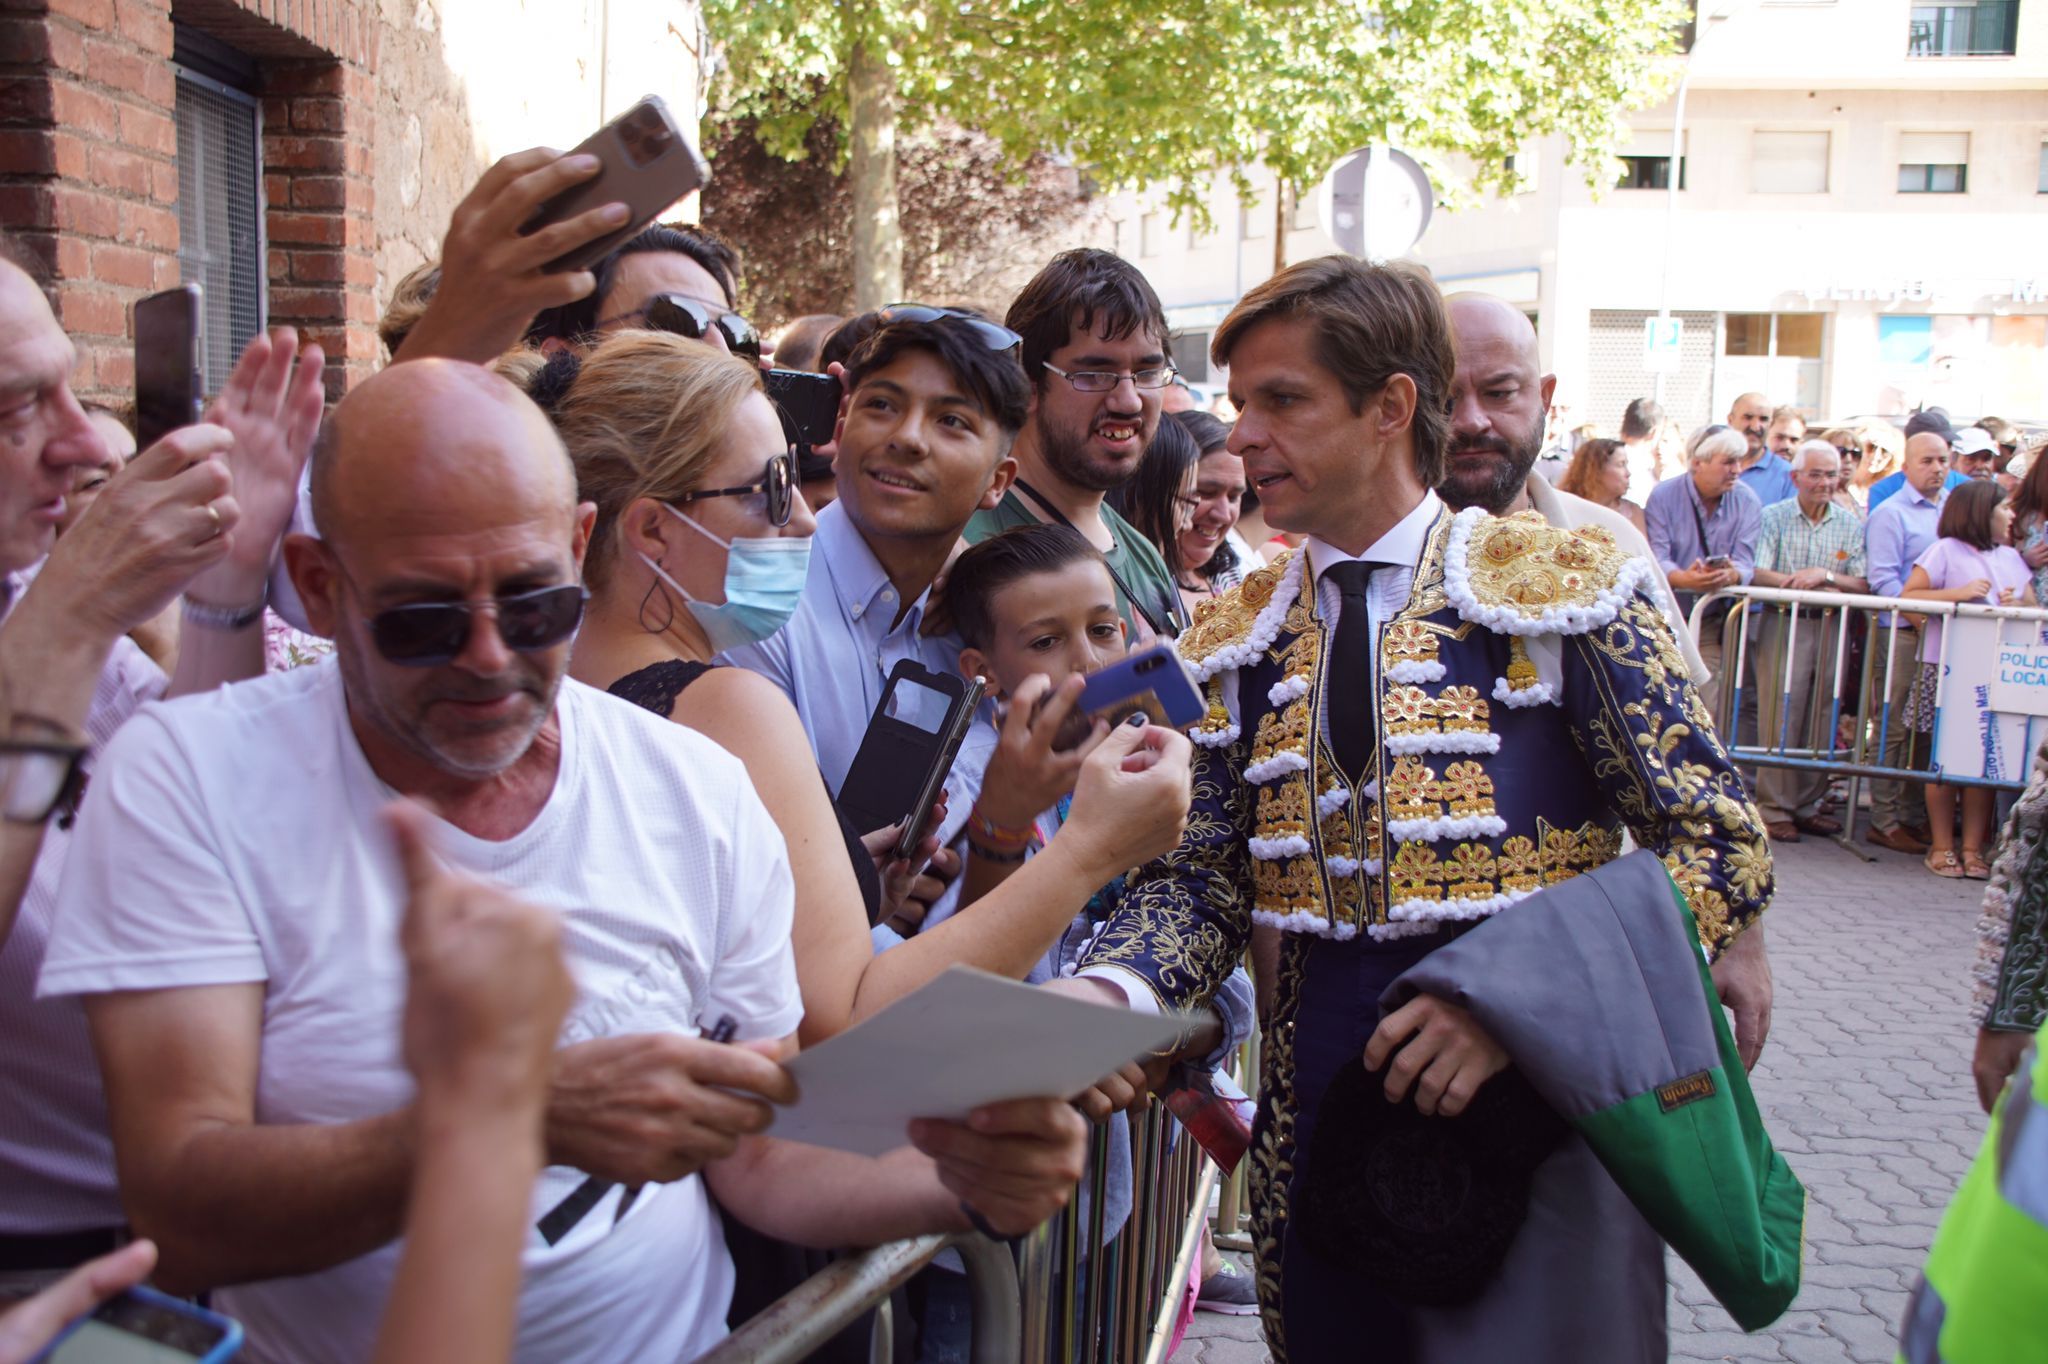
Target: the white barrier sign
(1996, 681)
(2019, 680)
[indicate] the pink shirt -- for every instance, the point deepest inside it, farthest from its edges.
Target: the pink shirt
(1952, 563)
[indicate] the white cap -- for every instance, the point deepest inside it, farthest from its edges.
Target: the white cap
(1974, 440)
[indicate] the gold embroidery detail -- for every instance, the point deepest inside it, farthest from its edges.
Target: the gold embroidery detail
(1410, 790)
(1283, 731)
(1519, 866)
(1524, 563)
(1466, 790)
(1283, 809)
(1408, 641)
(1230, 616)
(1415, 874)
(1468, 873)
(1286, 887)
(1407, 710)
(1272, 1152)
(1560, 852)
(1462, 709)
(1522, 673)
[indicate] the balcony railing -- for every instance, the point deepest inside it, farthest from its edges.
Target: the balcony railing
(1986, 28)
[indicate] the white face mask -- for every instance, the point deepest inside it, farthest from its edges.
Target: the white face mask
(764, 581)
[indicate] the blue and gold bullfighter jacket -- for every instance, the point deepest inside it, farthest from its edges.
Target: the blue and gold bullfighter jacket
(1533, 705)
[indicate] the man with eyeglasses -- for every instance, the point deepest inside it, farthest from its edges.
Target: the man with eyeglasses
(197, 514)
(1094, 351)
(233, 928)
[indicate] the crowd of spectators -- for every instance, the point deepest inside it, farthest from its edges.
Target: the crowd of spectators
(1932, 512)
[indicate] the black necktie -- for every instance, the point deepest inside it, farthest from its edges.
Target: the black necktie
(1349, 697)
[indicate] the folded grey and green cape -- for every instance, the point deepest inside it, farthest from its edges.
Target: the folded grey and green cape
(1599, 992)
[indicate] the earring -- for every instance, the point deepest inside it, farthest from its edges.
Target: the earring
(669, 608)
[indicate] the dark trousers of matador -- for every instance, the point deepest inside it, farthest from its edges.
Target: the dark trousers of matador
(1583, 1282)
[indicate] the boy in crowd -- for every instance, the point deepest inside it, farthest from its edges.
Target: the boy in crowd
(1037, 612)
(933, 403)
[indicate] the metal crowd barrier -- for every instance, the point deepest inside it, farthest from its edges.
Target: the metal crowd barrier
(825, 1304)
(1055, 1303)
(1119, 1304)
(1997, 760)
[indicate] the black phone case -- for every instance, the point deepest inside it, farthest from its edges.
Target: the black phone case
(808, 404)
(896, 758)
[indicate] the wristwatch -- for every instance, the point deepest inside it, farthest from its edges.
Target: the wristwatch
(1828, 577)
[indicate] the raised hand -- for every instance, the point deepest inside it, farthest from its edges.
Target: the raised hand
(271, 406)
(157, 525)
(493, 279)
(1026, 774)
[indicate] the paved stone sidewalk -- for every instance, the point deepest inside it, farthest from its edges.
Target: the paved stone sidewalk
(1865, 1086)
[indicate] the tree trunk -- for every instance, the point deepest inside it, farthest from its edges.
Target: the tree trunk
(1282, 220)
(877, 223)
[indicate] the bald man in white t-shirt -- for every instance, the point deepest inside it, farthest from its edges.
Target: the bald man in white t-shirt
(232, 923)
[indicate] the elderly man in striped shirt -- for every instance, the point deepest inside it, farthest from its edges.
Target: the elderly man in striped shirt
(1809, 543)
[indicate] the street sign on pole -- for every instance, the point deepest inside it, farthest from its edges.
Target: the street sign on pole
(1375, 203)
(1661, 339)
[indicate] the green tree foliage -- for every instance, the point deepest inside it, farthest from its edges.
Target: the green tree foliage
(1164, 92)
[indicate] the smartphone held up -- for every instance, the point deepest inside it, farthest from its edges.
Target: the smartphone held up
(645, 161)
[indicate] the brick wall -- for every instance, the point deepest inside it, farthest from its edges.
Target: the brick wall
(89, 177)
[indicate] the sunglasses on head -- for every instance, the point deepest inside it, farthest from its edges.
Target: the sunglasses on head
(775, 483)
(993, 335)
(430, 634)
(686, 316)
(38, 778)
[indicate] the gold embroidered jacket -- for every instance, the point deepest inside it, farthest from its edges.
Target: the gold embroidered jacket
(1490, 781)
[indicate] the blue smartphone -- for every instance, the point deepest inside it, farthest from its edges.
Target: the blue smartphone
(143, 1326)
(1152, 680)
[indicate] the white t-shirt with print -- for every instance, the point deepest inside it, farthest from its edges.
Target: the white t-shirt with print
(234, 837)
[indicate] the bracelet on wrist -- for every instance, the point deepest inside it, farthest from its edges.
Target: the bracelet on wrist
(999, 836)
(212, 617)
(1000, 856)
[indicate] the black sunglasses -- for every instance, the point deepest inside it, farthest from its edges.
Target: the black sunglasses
(430, 634)
(776, 480)
(39, 778)
(993, 335)
(686, 316)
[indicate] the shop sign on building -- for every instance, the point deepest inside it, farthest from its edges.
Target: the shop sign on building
(1662, 338)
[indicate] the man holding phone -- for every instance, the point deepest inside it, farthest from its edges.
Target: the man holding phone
(934, 403)
(197, 514)
(1703, 526)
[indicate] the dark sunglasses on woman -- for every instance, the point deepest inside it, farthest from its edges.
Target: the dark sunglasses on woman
(775, 483)
(431, 634)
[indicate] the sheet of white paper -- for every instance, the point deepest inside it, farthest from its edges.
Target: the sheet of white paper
(966, 1039)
